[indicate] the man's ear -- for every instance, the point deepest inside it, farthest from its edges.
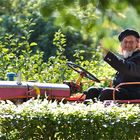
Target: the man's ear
(121, 49)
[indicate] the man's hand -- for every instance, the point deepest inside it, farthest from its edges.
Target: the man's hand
(103, 49)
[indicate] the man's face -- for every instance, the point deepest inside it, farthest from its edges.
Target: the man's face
(129, 43)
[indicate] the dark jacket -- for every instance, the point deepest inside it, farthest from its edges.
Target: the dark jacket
(128, 70)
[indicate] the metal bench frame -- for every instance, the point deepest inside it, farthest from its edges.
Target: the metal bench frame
(125, 101)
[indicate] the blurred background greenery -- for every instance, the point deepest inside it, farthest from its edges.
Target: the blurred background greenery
(39, 37)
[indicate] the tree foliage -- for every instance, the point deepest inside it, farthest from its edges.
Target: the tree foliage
(90, 17)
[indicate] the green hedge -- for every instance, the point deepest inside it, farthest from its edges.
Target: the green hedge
(44, 120)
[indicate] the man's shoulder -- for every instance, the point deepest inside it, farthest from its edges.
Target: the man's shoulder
(136, 53)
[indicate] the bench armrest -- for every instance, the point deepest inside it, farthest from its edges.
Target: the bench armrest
(122, 84)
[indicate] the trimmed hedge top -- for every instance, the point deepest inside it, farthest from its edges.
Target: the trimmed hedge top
(44, 120)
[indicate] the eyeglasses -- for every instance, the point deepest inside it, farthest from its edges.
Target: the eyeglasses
(128, 42)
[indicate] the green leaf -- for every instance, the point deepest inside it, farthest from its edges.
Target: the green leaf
(33, 44)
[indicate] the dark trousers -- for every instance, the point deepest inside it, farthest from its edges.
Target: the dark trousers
(106, 94)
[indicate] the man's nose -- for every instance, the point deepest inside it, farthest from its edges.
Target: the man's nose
(128, 44)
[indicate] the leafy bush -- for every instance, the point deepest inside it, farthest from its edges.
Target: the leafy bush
(17, 55)
(37, 119)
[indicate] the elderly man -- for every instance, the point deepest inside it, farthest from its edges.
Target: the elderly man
(127, 67)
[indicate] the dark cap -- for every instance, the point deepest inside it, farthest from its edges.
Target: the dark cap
(128, 32)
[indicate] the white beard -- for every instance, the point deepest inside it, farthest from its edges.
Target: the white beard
(127, 54)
